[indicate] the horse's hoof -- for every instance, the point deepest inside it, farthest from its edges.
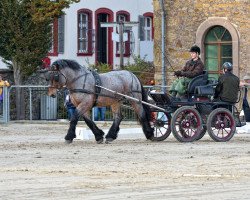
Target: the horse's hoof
(68, 141)
(152, 138)
(99, 141)
(109, 140)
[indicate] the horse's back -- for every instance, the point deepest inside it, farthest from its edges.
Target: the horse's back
(121, 81)
(118, 77)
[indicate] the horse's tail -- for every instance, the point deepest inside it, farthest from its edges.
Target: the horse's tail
(146, 116)
(144, 94)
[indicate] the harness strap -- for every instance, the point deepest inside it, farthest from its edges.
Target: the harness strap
(98, 82)
(80, 91)
(75, 79)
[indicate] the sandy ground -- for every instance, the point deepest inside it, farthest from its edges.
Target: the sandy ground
(35, 163)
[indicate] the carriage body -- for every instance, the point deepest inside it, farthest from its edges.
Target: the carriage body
(190, 118)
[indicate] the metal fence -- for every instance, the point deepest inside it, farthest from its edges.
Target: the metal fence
(37, 105)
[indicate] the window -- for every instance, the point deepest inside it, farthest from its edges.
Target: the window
(53, 51)
(148, 28)
(125, 17)
(61, 21)
(85, 33)
(57, 37)
(218, 49)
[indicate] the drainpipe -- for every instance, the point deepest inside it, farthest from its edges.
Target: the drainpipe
(163, 32)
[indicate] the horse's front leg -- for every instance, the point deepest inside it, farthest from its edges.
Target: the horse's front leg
(72, 128)
(96, 131)
(114, 129)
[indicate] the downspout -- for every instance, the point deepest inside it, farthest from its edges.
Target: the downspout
(163, 32)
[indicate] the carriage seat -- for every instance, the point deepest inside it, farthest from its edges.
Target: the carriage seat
(205, 90)
(160, 98)
(200, 80)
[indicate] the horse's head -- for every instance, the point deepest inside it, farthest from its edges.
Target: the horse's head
(63, 73)
(56, 80)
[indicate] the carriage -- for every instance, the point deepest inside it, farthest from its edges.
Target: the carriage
(190, 118)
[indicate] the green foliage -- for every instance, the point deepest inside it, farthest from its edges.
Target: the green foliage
(25, 31)
(100, 67)
(143, 69)
(42, 10)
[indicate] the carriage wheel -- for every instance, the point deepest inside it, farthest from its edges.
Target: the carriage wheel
(221, 125)
(186, 124)
(160, 121)
(204, 128)
(203, 132)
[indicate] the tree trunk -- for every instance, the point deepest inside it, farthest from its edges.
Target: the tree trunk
(18, 79)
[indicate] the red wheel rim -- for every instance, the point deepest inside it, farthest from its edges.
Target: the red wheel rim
(222, 125)
(187, 123)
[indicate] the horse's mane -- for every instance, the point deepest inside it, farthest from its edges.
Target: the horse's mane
(64, 63)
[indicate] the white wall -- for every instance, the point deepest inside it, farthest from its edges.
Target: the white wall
(134, 7)
(2, 65)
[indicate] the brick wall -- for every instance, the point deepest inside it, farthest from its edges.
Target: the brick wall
(184, 18)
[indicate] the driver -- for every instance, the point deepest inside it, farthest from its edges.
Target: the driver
(193, 68)
(228, 85)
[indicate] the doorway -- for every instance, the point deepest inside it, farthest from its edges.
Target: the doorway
(104, 43)
(102, 39)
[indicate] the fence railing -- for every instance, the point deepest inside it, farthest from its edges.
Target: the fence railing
(37, 105)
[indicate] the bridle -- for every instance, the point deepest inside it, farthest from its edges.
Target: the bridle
(55, 76)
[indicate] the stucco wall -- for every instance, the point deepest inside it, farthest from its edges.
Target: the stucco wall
(135, 8)
(183, 20)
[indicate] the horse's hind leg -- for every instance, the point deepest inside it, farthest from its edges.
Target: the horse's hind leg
(72, 128)
(96, 131)
(114, 129)
(144, 117)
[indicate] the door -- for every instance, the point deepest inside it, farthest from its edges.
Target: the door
(102, 41)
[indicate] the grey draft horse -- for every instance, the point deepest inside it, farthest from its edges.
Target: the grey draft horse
(82, 84)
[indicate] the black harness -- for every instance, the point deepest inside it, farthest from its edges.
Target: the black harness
(55, 76)
(83, 90)
(98, 82)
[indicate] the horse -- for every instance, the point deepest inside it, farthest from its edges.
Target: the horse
(83, 83)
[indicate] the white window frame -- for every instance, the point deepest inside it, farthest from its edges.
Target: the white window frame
(148, 27)
(83, 38)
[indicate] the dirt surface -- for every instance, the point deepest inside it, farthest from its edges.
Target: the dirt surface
(37, 164)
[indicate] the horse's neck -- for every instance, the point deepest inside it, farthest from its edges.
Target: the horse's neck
(76, 78)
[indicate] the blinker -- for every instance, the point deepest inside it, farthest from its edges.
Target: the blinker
(56, 77)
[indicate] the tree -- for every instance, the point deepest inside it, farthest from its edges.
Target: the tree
(25, 34)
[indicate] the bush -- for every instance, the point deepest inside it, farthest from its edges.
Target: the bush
(143, 69)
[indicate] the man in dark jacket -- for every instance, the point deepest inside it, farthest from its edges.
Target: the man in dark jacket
(228, 85)
(193, 68)
(69, 105)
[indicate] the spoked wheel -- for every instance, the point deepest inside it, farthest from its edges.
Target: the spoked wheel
(221, 125)
(186, 124)
(160, 121)
(203, 132)
(204, 128)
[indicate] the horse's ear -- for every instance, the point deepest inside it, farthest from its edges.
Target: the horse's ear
(57, 67)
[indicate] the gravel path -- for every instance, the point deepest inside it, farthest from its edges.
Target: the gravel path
(36, 164)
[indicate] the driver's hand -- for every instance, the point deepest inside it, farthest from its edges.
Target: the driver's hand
(177, 73)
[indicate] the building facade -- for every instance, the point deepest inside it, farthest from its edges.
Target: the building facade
(78, 34)
(221, 29)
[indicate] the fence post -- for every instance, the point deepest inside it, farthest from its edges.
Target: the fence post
(30, 100)
(5, 105)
